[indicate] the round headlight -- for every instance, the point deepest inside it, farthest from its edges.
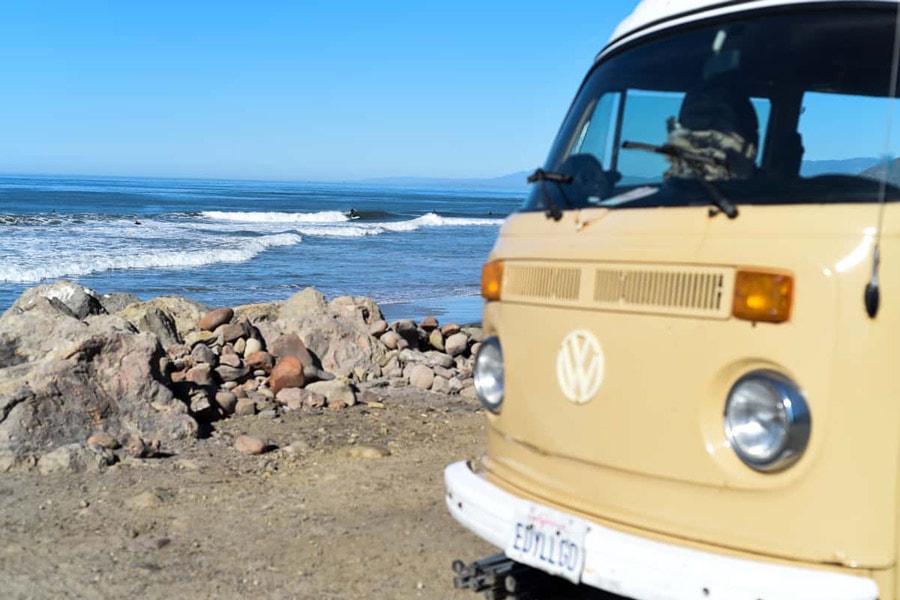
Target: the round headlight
(767, 420)
(489, 374)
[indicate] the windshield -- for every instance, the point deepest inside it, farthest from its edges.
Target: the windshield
(771, 108)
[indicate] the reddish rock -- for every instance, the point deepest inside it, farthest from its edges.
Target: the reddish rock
(429, 323)
(103, 440)
(288, 372)
(260, 361)
(248, 444)
(216, 317)
(450, 329)
(232, 360)
(200, 375)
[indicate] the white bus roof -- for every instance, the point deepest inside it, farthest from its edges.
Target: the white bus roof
(654, 15)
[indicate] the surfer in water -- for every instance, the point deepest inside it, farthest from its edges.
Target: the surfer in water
(353, 213)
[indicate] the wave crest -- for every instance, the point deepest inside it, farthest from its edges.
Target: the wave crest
(96, 262)
(327, 216)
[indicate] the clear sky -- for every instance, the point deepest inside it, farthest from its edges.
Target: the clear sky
(302, 90)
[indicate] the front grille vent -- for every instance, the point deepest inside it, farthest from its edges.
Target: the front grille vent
(693, 290)
(682, 290)
(544, 282)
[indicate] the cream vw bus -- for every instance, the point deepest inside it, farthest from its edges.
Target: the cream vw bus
(692, 371)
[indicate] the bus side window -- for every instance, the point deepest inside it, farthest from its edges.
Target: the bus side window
(596, 136)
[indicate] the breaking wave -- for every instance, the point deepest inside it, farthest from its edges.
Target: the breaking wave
(80, 262)
(328, 216)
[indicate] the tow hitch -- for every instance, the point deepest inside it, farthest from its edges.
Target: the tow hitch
(501, 578)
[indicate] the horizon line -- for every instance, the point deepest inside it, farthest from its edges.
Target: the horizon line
(372, 179)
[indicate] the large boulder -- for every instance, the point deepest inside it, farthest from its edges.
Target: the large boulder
(63, 379)
(358, 308)
(33, 329)
(337, 333)
(303, 303)
(79, 300)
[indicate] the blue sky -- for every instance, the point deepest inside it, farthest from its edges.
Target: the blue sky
(303, 90)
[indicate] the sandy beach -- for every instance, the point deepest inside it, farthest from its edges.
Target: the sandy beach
(166, 449)
(324, 515)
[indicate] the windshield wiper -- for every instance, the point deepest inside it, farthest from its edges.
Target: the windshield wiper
(694, 161)
(540, 176)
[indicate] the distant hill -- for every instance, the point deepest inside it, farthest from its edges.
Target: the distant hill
(847, 166)
(877, 172)
(517, 181)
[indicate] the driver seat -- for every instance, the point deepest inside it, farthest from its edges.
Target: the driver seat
(718, 122)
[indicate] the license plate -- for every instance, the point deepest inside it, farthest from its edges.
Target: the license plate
(550, 541)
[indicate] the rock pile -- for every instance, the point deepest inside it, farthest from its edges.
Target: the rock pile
(427, 356)
(309, 353)
(76, 367)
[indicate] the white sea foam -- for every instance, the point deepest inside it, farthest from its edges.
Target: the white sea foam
(363, 229)
(95, 260)
(87, 246)
(346, 231)
(435, 220)
(328, 216)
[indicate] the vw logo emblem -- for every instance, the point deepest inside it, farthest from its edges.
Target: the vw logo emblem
(579, 366)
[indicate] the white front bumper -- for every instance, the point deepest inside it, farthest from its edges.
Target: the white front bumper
(639, 568)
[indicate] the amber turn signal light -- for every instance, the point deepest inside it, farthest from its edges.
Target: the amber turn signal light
(763, 296)
(492, 280)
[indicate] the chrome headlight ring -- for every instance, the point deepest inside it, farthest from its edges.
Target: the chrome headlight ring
(488, 374)
(767, 420)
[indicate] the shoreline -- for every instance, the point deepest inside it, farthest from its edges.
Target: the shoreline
(463, 310)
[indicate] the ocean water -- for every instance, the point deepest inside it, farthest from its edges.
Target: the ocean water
(416, 251)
